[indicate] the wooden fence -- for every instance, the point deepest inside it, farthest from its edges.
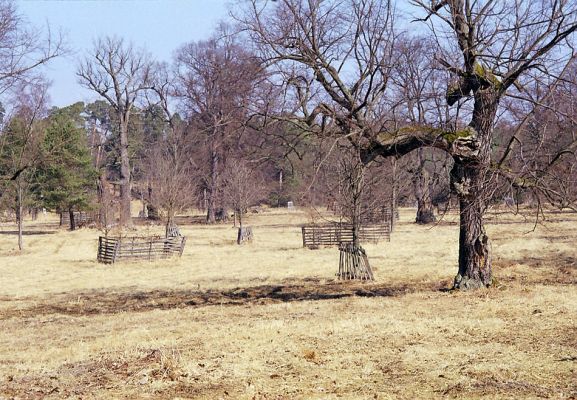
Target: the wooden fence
(112, 249)
(316, 235)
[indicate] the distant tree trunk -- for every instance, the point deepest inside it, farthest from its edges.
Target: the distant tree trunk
(425, 210)
(101, 201)
(125, 192)
(169, 222)
(213, 188)
(72, 220)
(19, 215)
(469, 179)
(394, 190)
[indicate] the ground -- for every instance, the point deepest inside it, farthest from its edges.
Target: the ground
(268, 320)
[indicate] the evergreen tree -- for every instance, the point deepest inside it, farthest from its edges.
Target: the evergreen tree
(66, 181)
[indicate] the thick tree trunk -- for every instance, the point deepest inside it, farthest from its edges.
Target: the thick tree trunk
(470, 181)
(425, 210)
(213, 187)
(475, 268)
(72, 221)
(125, 192)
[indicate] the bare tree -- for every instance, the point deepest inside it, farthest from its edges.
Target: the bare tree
(243, 187)
(335, 59)
(418, 88)
(169, 167)
(499, 43)
(215, 82)
(119, 73)
(23, 50)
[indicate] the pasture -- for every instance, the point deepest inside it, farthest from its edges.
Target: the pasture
(268, 320)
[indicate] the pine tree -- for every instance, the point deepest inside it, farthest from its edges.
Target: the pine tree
(67, 180)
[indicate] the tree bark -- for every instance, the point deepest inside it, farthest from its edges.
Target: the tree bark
(125, 192)
(213, 187)
(469, 179)
(72, 221)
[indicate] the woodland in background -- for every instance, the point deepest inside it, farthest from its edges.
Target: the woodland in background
(322, 103)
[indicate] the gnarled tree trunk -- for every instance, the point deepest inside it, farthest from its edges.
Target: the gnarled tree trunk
(470, 181)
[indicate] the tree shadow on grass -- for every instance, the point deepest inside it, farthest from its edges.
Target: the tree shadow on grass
(111, 302)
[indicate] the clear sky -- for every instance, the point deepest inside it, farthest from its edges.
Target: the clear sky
(160, 26)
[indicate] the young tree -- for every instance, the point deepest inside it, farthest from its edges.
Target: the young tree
(243, 187)
(119, 73)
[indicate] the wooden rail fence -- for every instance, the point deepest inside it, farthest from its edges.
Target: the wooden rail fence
(112, 249)
(316, 235)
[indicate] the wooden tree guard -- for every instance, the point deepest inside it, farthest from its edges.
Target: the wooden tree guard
(172, 231)
(112, 249)
(244, 235)
(353, 263)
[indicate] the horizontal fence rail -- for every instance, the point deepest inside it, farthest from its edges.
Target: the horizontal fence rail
(316, 235)
(112, 249)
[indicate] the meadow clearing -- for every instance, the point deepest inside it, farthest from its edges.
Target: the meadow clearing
(268, 320)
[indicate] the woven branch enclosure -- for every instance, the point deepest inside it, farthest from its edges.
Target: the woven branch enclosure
(112, 249)
(353, 263)
(334, 234)
(244, 235)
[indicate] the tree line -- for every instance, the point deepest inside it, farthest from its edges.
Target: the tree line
(356, 105)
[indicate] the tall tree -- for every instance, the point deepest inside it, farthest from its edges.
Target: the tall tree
(215, 82)
(491, 48)
(119, 73)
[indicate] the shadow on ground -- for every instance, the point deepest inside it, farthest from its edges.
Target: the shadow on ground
(111, 302)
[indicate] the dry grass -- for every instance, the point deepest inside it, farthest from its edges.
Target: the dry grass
(268, 320)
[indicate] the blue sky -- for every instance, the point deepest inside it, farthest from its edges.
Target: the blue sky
(160, 26)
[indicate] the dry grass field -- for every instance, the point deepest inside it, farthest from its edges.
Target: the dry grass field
(268, 320)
